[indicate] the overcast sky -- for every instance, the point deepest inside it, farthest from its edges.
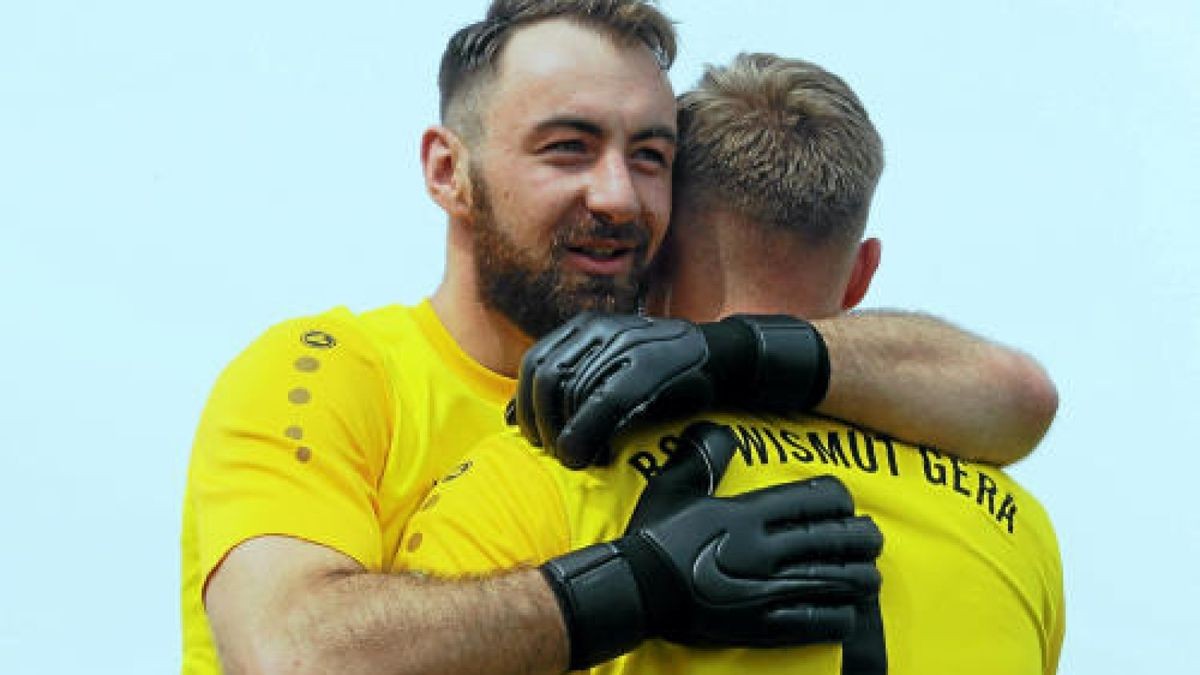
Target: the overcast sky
(175, 177)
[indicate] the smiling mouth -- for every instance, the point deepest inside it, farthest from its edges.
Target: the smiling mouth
(604, 258)
(601, 252)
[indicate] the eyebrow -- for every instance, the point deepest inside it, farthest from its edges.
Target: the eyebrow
(590, 128)
(665, 133)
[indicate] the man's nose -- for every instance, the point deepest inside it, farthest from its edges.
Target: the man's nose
(611, 193)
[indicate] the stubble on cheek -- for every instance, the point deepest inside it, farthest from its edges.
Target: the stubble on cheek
(532, 285)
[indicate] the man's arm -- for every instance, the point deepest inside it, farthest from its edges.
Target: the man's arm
(913, 377)
(282, 605)
(920, 379)
(794, 562)
(293, 442)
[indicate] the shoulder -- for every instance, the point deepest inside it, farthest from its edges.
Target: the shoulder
(335, 332)
(498, 508)
(293, 437)
(307, 380)
(1038, 529)
(342, 328)
(339, 338)
(330, 345)
(503, 470)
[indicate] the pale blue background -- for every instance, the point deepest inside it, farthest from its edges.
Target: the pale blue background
(174, 177)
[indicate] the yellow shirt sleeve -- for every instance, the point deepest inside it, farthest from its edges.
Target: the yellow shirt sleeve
(292, 442)
(498, 510)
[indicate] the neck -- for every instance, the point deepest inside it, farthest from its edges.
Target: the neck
(483, 333)
(722, 265)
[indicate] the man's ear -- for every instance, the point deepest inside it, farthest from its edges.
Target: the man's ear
(866, 261)
(444, 160)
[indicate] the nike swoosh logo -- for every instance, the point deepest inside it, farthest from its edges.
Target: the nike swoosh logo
(719, 587)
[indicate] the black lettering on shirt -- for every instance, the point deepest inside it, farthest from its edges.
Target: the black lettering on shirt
(934, 472)
(1007, 512)
(668, 445)
(987, 489)
(831, 454)
(865, 459)
(893, 465)
(763, 447)
(783, 457)
(958, 478)
(645, 463)
(749, 439)
(956, 465)
(799, 452)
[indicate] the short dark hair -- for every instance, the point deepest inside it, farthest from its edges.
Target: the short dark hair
(782, 142)
(471, 55)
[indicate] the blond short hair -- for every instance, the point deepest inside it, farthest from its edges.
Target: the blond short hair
(782, 142)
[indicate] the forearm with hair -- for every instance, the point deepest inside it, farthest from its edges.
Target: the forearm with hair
(359, 622)
(502, 624)
(922, 380)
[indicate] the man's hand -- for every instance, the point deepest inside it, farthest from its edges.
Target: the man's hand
(780, 566)
(587, 381)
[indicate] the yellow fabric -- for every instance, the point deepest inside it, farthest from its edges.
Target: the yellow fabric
(971, 568)
(330, 429)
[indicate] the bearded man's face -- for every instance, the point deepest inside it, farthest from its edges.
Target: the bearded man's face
(533, 285)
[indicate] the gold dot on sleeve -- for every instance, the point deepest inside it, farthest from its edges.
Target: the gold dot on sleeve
(307, 364)
(294, 432)
(414, 542)
(303, 454)
(299, 396)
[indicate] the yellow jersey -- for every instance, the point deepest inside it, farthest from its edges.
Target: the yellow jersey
(972, 578)
(331, 429)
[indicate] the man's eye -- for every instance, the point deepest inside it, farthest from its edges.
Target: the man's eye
(566, 146)
(652, 155)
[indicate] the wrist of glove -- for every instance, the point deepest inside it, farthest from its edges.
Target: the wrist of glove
(781, 566)
(593, 377)
(767, 362)
(602, 606)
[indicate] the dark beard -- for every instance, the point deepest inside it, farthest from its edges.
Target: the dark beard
(534, 294)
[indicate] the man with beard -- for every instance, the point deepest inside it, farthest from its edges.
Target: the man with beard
(972, 577)
(320, 439)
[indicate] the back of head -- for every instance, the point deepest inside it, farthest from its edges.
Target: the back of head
(784, 144)
(470, 60)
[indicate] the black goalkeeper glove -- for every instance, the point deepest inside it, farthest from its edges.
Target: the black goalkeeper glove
(591, 378)
(781, 566)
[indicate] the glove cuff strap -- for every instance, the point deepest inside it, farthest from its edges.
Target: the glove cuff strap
(790, 369)
(600, 603)
(790, 348)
